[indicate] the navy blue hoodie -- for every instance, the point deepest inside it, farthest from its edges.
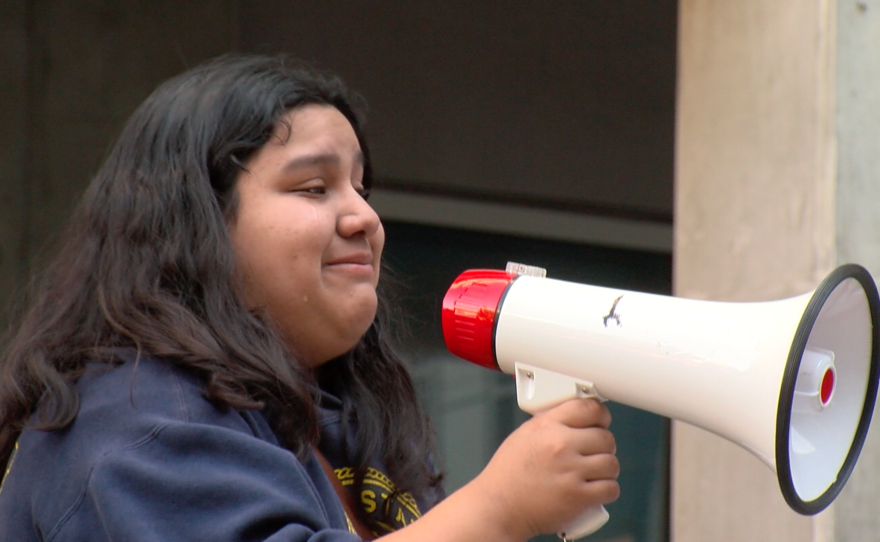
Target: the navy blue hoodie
(149, 459)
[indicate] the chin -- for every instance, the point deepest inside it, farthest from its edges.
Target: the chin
(366, 313)
(364, 326)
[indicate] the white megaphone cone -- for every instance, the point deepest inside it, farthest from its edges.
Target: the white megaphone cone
(792, 381)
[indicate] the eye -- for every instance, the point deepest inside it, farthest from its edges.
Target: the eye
(314, 187)
(364, 193)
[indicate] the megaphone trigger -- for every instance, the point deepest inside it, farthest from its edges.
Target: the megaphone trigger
(538, 389)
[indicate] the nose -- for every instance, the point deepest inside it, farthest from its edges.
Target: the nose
(356, 216)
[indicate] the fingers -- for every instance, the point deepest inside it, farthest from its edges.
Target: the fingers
(568, 453)
(587, 421)
(581, 413)
(594, 440)
(599, 474)
(601, 467)
(602, 491)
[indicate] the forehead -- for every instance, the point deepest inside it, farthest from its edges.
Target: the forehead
(314, 124)
(306, 136)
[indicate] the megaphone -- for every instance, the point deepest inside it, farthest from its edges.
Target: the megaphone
(792, 381)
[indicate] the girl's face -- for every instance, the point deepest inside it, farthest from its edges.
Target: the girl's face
(306, 243)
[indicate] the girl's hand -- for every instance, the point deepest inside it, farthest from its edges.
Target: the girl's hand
(551, 469)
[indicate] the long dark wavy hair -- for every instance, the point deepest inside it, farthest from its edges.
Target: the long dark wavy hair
(147, 264)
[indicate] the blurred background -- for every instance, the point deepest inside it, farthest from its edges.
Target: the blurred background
(548, 132)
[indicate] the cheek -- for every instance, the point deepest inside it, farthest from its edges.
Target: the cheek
(279, 266)
(254, 253)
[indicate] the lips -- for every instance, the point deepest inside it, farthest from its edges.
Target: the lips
(357, 258)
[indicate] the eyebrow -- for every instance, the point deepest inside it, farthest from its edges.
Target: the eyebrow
(319, 159)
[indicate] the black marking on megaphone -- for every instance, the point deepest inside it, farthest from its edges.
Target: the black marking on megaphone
(786, 397)
(611, 314)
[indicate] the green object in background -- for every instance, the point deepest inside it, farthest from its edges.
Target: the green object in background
(474, 409)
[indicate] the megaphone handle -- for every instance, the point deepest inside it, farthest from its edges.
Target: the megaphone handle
(538, 389)
(587, 523)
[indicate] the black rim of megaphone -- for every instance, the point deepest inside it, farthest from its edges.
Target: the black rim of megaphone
(786, 396)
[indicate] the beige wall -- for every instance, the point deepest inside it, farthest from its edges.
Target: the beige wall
(754, 149)
(777, 182)
(858, 221)
(754, 218)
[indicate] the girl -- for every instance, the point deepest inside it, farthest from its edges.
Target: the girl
(207, 357)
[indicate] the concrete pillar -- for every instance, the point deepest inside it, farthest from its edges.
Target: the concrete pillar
(72, 72)
(858, 220)
(755, 189)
